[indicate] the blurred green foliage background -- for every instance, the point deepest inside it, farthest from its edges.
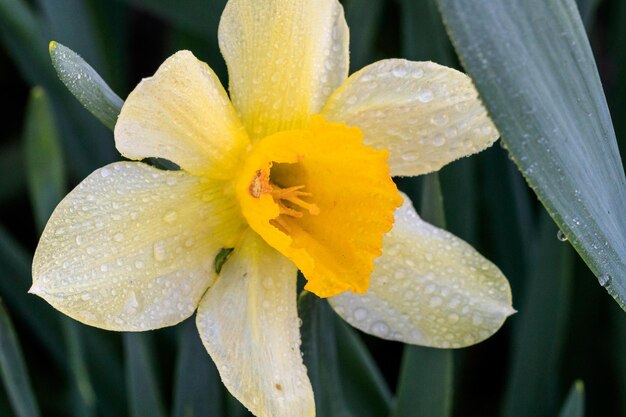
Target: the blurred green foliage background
(567, 329)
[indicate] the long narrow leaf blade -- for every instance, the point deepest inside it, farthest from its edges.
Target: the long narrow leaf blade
(85, 84)
(533, 66)
(46, 181)
(575, 402)
(197, 386)
(541, 327)
(13, 370)
(143, 393)
(44, 160)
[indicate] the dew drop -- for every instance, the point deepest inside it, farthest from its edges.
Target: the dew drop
(439, 140)
(360, 314)
(170, 217)
(104, 172)
(380, 329)
(158, 251)
(440, 119)
(131, 305)
(410, 156)
(399, 72)
(425, 96)
(561, 236)
(604, 279)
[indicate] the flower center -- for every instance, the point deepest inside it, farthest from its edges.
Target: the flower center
(289, 200)
(321, 198)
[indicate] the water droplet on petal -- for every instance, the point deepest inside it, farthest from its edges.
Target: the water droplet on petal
(380, 329)
(425, 96)
(561, 236)
(170, 217)
(360, 314)
(158, 251)
(439, 119)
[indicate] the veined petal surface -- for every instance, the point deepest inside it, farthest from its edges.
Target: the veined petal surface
(132, 247)
(428, 288)
(182, 114)
(249, 325)
(426, 115)
(284, 57)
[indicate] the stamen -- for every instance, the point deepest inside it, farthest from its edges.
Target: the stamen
(289, 200)
(260, 183)
(292, 195)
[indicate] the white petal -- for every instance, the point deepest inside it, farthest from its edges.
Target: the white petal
(183, 114)
(249, 325)
(428, 288)
(132, 247)
(426, 115)
(284, 57)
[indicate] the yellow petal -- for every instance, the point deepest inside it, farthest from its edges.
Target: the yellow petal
(132, 247)
(183, 114)
(323, 200)
(426, 115)
(284, 57)
(249, 325)
(429, 288)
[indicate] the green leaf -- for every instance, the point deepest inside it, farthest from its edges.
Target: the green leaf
(44, 158)
(197, 15)
(197, 385)
(574, 405)
(420, 21)
(15, 280)
(587, 10)
(20, 31)
(363, 17)
(75, 29)
(363, 385)
(425, 384)
(12, 181)
(46, 180)
(426, 374)
(536, 74)
(431, 205)
(13, 370)
(345, 379)
(540, 327)
(86, 85)
(143, 394)
(84, 397)
(319, 347)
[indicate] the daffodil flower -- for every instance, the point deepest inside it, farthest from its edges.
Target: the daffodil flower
(293, 172)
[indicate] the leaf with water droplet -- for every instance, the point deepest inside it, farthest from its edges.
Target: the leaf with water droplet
(541, 86)
(86, 84)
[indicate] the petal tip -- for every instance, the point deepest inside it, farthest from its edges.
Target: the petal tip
(509, 311)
